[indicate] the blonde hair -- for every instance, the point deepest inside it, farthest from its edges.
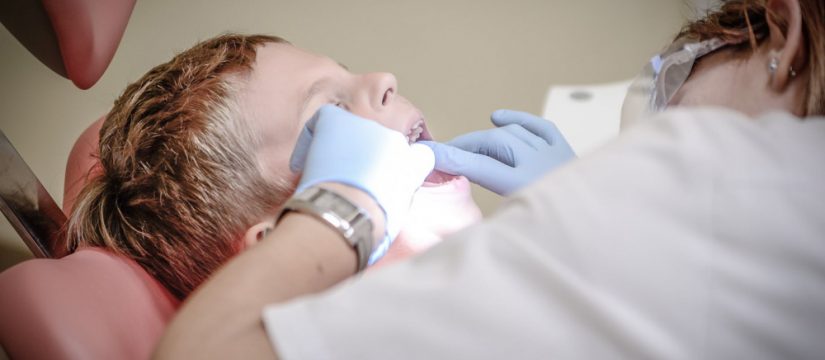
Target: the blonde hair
(747, 19)
(180, 182)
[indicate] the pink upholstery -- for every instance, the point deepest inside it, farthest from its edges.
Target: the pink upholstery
(82, 164)
(91, 304)
(88, 305)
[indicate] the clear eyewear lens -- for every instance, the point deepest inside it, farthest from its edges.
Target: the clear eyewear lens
(662, 77)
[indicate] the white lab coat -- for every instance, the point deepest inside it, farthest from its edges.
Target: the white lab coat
(697, 235)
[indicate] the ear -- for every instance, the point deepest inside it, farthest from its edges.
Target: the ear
(257, 232)
(785, 40)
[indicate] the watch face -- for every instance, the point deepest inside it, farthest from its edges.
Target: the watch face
(349, 220)
(346, 210)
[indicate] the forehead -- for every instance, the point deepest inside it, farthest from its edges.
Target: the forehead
(278, 83)
(281, 74)
(271, 97)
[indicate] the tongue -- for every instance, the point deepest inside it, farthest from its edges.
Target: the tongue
(437, 177)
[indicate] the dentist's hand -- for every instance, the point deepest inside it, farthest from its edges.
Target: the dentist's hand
(340, 147)
(517, 152)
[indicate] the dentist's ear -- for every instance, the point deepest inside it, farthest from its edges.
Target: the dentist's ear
(786, 43)
(257, 232)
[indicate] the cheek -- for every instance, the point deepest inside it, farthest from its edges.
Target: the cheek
(273, 159)
(697, 92)
(710, 84)
(388, 118)
(397, 116)
(683, 97)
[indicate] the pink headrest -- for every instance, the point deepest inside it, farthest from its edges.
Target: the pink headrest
(87, 305)
(91, 304)
(82, 164)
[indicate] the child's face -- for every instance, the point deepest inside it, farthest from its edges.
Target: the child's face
(287, 85)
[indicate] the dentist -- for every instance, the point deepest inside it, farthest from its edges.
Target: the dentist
(696, 234)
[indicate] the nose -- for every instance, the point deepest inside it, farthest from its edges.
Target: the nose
(383, 89)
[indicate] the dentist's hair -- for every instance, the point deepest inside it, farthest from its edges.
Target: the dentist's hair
(748, 20)
(180, 183)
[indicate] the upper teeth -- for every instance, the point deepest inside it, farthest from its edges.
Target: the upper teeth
(415, 132)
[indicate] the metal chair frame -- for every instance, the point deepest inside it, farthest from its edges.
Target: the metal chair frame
(28, 206)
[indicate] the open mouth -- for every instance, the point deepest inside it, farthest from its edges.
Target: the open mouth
(438, 178)
(418, 131)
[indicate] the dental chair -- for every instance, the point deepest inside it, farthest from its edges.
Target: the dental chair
(91, 303)
(87, 305)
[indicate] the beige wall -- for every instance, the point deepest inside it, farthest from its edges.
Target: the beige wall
(457, 60)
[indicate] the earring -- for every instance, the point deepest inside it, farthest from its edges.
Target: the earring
(773, 65)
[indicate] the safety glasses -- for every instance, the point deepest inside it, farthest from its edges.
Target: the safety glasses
(662, 77)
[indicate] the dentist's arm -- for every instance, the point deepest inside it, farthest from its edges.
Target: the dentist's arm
(521, 148)
(222, 319)
(371, 166)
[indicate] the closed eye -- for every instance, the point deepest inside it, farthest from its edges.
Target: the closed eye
(339, 103)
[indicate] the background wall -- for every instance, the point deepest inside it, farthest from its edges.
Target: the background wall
(458, 60)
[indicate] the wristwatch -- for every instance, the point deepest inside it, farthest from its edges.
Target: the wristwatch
(352, 222)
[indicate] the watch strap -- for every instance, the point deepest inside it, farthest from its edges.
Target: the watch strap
(343, 216)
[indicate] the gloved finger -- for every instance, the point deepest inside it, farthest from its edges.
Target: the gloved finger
(417, 164)
(414, 167)
(421, 163)
(325, 113)
(533, 140)
(480, 169)
(562, 144)
(536, 125)
(313, 121)
(301, 150)
(495, 143)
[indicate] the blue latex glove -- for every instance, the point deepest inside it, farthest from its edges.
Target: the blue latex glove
(517, 152)
(338, 146)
